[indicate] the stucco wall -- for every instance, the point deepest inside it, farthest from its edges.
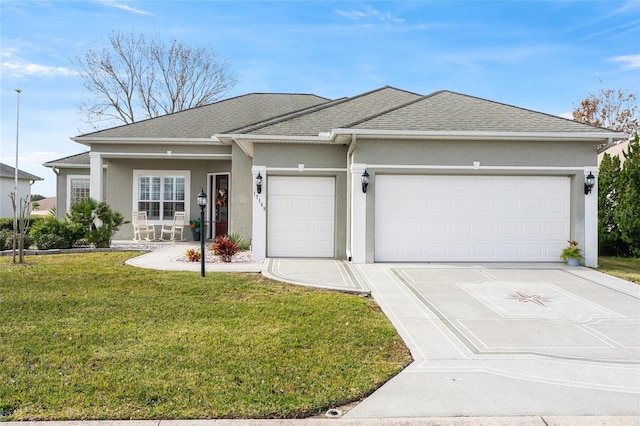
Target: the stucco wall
(7, 186)
(62, 187)
(488, 153)
(241, 199)
(318, 160)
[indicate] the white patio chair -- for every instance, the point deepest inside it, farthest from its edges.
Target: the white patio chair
(177, 225)
(142, 227)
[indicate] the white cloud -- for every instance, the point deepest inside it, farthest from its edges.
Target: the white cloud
(31, 159)
(568, 115)
(118, 5)
(18, 68)
(629, 61)
(368, 13)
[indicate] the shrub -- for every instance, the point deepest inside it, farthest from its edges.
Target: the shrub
(6, 237)
(98, 220)
(193, 255)
(224, 248)
(240, 242)
(51, 233)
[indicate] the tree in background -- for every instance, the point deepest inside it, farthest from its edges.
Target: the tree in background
(609, 238)
(613, 109)
(627, 213)
(133, 77)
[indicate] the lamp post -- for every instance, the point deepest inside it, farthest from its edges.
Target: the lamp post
(15, 188)
(202, 202)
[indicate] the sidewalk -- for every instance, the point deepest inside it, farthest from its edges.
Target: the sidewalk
(431, 421)
(165, 257)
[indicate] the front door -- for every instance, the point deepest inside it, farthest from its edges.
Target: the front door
(221, 200)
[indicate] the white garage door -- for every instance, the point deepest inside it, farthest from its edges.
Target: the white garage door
(464, 218)
(300, 216)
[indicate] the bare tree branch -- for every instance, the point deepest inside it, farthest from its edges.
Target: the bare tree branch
(133, 77)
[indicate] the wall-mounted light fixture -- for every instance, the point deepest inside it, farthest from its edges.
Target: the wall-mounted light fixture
(259, 183)
(589, 182)
(365, 181)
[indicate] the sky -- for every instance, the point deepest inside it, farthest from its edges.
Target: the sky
(542, 55)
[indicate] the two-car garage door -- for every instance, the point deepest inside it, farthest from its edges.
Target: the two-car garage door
(464, 218)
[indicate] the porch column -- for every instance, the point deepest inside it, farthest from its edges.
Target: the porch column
(259, 221)
(95, 176)
(591, 221)
(358, 215)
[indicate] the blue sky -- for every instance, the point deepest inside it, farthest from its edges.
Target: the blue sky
(541, 55)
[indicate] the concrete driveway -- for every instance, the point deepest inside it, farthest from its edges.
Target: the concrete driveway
(497, 339)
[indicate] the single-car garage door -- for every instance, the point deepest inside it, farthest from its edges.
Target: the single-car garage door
(464, 218)
(300, 216)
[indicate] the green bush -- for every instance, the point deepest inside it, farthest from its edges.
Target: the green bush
(6, 238)
(97, 219)
(619, 203)
(239, 241)
(51, 233)
(7, 222)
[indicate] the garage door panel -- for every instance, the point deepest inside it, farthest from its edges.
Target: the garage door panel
(462, 218)
(300, 216)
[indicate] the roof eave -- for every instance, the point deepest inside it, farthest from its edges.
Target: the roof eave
(88, 141)
(477, 135)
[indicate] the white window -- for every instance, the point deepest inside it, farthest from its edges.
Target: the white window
(77, 189)
(160, 193)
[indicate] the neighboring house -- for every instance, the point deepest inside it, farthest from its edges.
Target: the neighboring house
(451, 177)
(616, 150)
(43, 207)
(8, 184)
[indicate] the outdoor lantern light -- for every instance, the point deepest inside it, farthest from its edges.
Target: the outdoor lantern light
(259, 183)
(202, 202)
(589, 182)
(365, 181)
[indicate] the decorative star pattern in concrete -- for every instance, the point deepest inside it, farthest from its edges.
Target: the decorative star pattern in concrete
(538, 299)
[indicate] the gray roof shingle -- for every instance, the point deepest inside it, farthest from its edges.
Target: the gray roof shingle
(219, 117)
(76, 160)
(336, 114)
(8, 171)
(450, 111)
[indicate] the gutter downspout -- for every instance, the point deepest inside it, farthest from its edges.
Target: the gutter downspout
(352, 147)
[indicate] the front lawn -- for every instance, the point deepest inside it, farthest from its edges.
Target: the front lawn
(86, 337)
(627, 268)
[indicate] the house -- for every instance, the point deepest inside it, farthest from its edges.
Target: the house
(43, 207)
(8, 185)
(617, 150)
(385, 176)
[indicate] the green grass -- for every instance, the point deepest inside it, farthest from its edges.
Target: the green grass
(627, 268)
(86, 337)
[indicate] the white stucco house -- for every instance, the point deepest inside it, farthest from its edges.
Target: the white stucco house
(385, 176)
(7, 186)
